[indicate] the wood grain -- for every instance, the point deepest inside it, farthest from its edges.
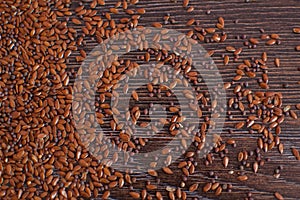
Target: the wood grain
(274, 17)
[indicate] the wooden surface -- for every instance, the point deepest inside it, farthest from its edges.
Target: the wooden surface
(274, 17)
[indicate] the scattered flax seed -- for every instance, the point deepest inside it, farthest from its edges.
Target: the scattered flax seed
(215, 186)
(226, 60)
(221, 21)
(134, 195)
(280, 148)
(296, 30)
(190, 9)
(135, 95)
(240, 125)
(293, 114)
(156, 24)
(225, 161)
(264, 56)
(253, 41)
(210, 30)
(193, 187)
(190, 22)
(271, 42)
(277, 62)
(278, 196)
(76, 21)
(230, 49)
(242, 178)
(255, 167)
(207, 187)
(167, 170)
(274, 36)
(185, 3)
(218, 191)
(296, 153)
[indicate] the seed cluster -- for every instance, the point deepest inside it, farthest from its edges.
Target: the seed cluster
(43, 155)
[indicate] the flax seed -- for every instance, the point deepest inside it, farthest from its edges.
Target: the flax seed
(242, 178)
(296, 30)
(134, 195)
(207, 187)
(278, 196)
(226, 60)
(296, 153)
(271, 42)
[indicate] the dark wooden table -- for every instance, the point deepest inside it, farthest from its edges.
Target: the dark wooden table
(245, 18)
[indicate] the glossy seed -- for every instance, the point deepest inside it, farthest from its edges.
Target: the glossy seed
(277, 62)
(134, 195)
(239, 125)
(207, 187)
(253, 41)
(190, 22)
(226, 60)
(242, 178)
(296, 153)
(271, 42)
(278, 196)
(193, 187)
(296, 30)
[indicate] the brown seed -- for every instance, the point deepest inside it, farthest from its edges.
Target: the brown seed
(185, 3)
(151, 187)
(158, 196)
(207, 187)
(218, 191)
(238, 51)
(296, 153)
(190, 22)
(293, 114)
(264, 85)
(171, 195)
(275, 36)
(253, 41)
(297, 48)
(278, 196)
(230, 141)
(264, 56)
(237, 78)
(271, 42)
(240, 156)
(277, 62)
(152, 172)
(76, 21)
(226, 60)
(225, 161)
(215, 186)
(241, 106)
(193, 187)
(167, 170)
(190, 9)
(221, 21)
(156, 25)
(135, 95)
(296, 30)
(280, 148)
(210, 30)
(227, 85)
(255, 167)
(239, 125)
(230, 49)
(106, 194)
(134, 195)
(242, 178)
